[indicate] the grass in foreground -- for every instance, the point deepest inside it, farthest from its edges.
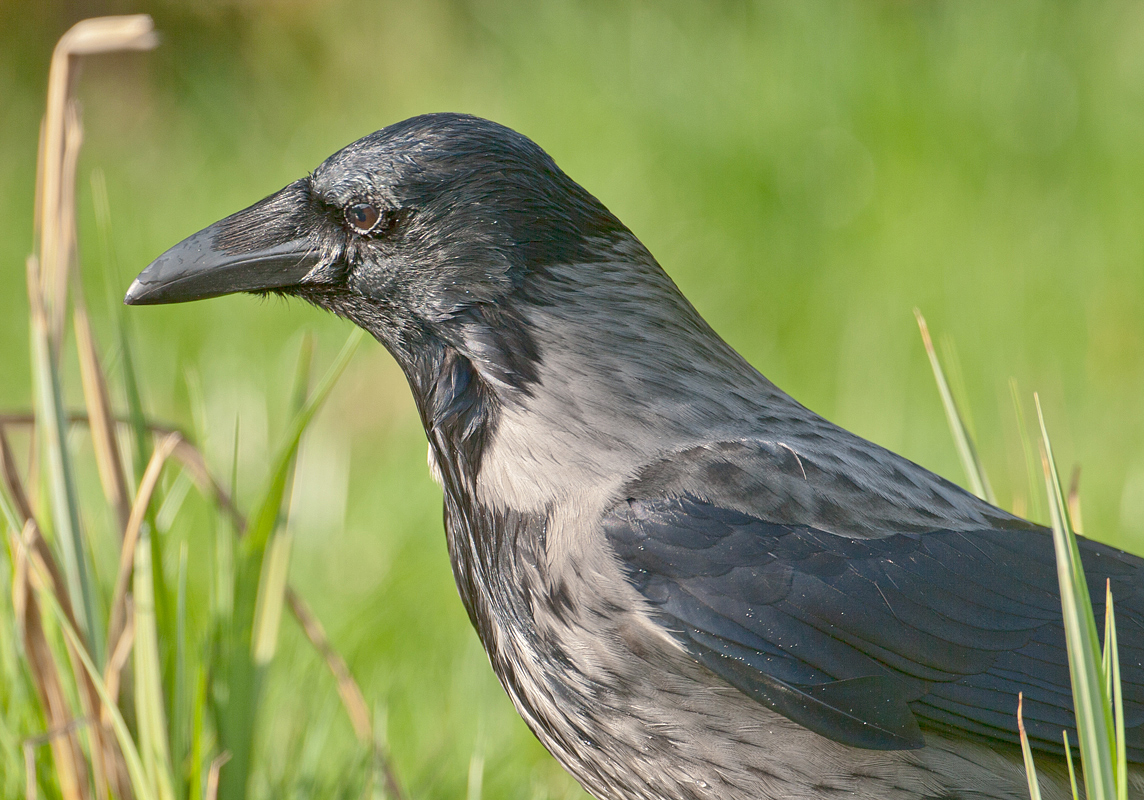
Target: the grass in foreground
(135, 691)
(1094, 671)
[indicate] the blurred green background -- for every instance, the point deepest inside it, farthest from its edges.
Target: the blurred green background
(808, 172)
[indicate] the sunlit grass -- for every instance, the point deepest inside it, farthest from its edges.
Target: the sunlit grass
(1094, 670)
(137, 691)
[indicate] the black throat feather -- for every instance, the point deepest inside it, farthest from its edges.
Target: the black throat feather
(461, 389)
(461, 375)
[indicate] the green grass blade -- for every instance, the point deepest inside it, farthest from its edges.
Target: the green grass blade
(198, 748)
(1093, 709)
(1027, 753)
(271, 597)
(173, 501)
(149, 708)
(236, 686)
(1072, 770)
(222, 598)
(180, 723)
(222, 594)
(960, 394)
(66, 517)
(1117, 695)
(140, 435)
(302, 374)
(477, 774)
(974, 469)
(1032, 473)
(1105, 653)
(8, 509)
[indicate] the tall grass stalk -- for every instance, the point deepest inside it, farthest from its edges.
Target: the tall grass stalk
(1094, 670)
(134, 693)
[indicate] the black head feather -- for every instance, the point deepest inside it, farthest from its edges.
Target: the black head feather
(482, 207)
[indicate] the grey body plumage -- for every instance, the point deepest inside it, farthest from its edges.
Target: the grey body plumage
(656, 546)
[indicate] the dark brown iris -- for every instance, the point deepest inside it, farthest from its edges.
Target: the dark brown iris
(362, 217)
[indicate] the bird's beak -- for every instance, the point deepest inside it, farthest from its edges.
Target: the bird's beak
(262, 247)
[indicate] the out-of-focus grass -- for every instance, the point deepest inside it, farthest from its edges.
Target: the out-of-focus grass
(808, 173)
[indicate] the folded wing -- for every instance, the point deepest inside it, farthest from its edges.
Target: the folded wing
(866, 641)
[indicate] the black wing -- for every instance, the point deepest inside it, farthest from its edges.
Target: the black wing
(862, 639)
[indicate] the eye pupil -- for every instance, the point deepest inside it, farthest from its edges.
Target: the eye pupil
(362, 217)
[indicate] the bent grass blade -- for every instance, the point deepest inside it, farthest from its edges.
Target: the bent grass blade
(974, 469)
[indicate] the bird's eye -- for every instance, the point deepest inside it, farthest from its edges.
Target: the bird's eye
(362, 217)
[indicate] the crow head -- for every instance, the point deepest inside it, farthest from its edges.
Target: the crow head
(419, 233)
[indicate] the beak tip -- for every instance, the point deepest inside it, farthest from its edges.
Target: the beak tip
(138, 294)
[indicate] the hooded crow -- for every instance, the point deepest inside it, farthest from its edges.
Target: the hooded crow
(689, 585)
